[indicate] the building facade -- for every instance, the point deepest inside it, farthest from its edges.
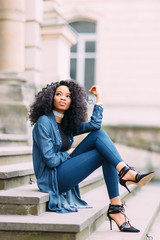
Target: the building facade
(115, 44)
(127, 56)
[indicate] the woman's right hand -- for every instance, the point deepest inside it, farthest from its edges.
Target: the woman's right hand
(95, 89)
(70, 151)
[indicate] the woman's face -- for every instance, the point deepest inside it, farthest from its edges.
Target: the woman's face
(62, 99)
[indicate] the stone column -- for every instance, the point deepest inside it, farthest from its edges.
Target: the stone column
(12, 36)
(12, 109)
(33, 11)
(57, 38)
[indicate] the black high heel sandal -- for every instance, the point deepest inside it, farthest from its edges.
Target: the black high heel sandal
(126, 226)
(140, 179)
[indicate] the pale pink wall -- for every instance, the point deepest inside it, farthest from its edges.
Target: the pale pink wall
(128, 57)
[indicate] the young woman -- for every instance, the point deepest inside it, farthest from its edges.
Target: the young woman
(59, 113)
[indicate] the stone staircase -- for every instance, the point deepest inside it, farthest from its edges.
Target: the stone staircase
(15, 154)
(13, 139)
(23, 208)
(14, 175)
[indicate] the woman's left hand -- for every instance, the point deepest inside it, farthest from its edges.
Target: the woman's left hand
(97, 92)
(70, 151)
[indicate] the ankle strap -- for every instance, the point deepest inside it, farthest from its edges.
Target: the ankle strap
(116, 209)
(123, 171)
(113, 209)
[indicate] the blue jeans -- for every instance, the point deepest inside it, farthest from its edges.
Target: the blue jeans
(94, 151)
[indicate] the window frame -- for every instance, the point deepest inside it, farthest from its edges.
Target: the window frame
(81, 55)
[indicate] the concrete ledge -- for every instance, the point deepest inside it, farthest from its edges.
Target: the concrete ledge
(13, 140)
(16, 154)
(19, 199)
(15, 175)
(15, 170)
(10, 183)
(142, 137)
(142, 160)
(26, 209)
(71, 222)
(19, 150)
(28, 194)
(13, 137)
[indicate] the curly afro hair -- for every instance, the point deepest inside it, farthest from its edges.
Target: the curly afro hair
(44, 105)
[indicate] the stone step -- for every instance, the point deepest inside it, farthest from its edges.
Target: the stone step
(20, 174)
(51, 225)
(141, 210)
(154, 232)
(15, 175)
(13, 140)
(23, 200)
(29, 200)
(15, 154)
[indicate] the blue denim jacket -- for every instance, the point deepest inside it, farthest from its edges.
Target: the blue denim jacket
(47, 157)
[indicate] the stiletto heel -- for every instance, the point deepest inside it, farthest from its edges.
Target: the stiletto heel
(124, 184)
(126, 226)
(140, 179)
(110, 223)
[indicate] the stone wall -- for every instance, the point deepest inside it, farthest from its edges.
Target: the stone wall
(147, 138)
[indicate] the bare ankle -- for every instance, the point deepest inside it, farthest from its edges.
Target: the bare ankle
(120, 165)
(115, 201)
(130, 175)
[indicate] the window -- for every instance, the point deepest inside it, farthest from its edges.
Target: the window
(83, 54)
